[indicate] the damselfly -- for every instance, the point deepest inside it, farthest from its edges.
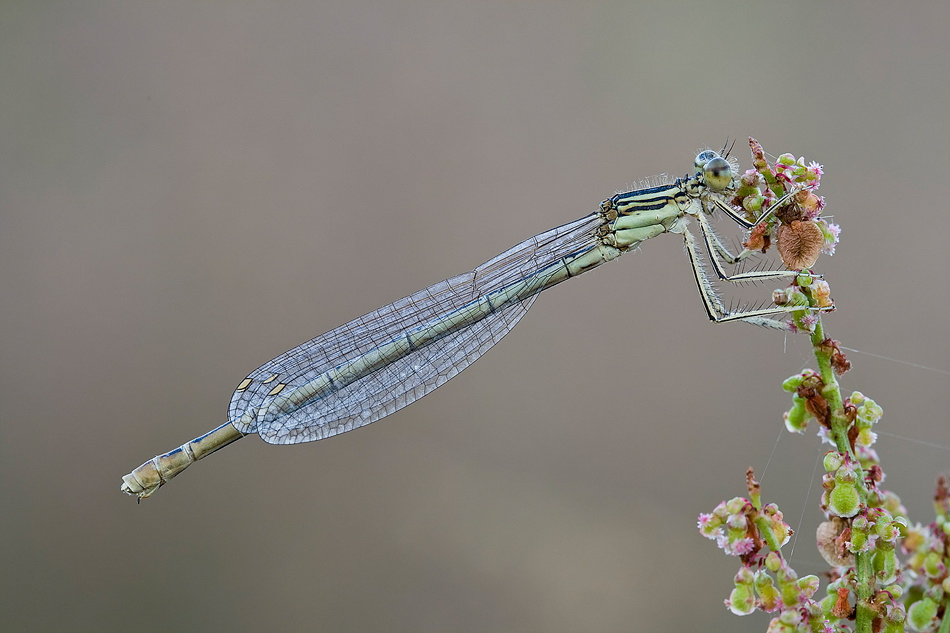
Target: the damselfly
(379, 363)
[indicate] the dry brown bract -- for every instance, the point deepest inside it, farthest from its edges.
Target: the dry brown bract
(799, 243)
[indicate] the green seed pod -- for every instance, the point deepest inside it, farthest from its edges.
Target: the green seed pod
(765, 589)
(828, 604)
(845, 475)
(736, 505)
(742, 600)
(809, 585)
(844, 500)
(786, 159)
(833, 461)
(933, 565)
(859, 541)
(886, 565)
(792, 383)
(753, 203)
(921, 614)
(796, 418)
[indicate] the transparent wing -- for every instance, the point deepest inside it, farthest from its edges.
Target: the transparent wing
(410, 377)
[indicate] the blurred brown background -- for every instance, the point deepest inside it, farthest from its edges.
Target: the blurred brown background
(188, 191)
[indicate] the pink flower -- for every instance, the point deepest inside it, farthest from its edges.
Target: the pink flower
(743, 546)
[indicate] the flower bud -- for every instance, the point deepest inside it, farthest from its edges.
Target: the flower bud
(750, 178)
(821, 294)
(845, 475)
(833, 461)
(795, 297)
(785, 161)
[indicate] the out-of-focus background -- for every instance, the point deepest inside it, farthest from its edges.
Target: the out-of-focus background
(187, 191)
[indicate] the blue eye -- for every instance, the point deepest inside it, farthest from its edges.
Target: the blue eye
(702, 158)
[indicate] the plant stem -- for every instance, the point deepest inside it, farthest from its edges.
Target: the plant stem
(831, 392)
(864, 572)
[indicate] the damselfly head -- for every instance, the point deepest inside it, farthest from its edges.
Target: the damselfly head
(717, 174)
(702, 158)
(715, 170)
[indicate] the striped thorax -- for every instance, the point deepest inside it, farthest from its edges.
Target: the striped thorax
(636, 216)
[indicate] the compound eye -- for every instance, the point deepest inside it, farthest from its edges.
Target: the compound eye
(717, 173)
(702, 158)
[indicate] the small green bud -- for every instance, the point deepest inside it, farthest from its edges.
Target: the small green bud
(866, 437)
(750, 181)
(742, 600)
(796, 297)
(736, 505)
(828, 481)
(933, 565)
(886, 565)
(786, 159)
(753, 203)
(828, 604)
(744, 576)
(887, 529)
(845, 476)
(813, 610)
(809, 585)
(844, 500)
(737, 522)
(796, 418)
(869, 412)
(788, 621)
(833, 461)
(788, 585)
(773, 562)
(765, 588)
(858, 542)
(792, 383)
(921, 614)
(894, 620)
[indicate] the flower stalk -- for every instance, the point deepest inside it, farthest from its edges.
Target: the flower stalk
(870, 590)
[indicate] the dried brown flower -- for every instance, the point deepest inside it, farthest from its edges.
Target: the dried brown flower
(800, 243)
